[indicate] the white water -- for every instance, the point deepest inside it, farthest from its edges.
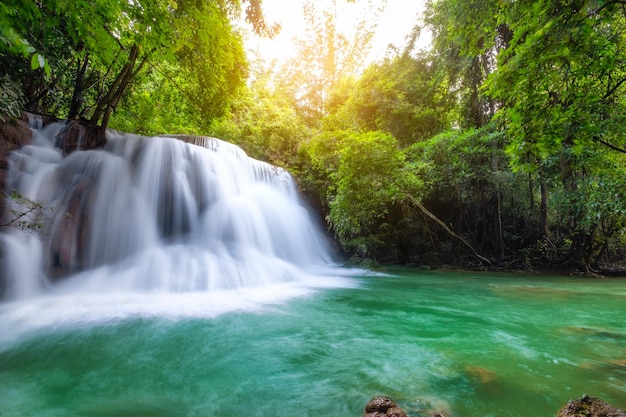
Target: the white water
(196, 227)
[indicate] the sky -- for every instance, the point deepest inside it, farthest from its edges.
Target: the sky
(396, 22)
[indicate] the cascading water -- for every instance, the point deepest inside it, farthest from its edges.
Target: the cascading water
(156, 215)
(115, 308)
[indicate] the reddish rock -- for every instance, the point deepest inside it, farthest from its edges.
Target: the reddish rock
(77, 134)
(589, 407)
(13, 135)
(69, 239)
(383, 407)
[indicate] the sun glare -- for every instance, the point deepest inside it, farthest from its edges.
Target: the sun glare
(393, 24)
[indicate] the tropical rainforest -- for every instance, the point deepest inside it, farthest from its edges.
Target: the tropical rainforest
(501, 145)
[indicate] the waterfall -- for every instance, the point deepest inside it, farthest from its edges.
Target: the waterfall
(156, 215)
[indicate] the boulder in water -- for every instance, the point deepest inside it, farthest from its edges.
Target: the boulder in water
(589, 407)
(381, 406)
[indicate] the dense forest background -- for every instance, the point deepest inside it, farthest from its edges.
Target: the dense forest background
(503, 144)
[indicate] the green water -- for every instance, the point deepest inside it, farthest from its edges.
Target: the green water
(471, 344)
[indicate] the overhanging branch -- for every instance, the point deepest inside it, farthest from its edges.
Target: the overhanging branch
(436, 219)
(611, 146)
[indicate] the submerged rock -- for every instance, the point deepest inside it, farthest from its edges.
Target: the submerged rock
(589, 407)
(481, 375)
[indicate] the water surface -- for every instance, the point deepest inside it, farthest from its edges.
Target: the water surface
(471, 344)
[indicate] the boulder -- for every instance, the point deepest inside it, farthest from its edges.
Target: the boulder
(381, 406)
(80, 134)
(589, 407)
(586, 406)
(13, 135)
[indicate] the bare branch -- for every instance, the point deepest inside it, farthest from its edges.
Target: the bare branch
(436, 219)
(611, 146)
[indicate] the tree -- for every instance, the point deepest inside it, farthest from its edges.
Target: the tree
(557, 84)
(467, 38)
(324, 55)
(97, 49)
(264, 124)
(362, 179)
(404, 95)
(565, 99)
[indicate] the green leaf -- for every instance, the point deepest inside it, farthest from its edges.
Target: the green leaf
(34, 62)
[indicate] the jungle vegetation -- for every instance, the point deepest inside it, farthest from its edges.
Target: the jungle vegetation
(502, 144)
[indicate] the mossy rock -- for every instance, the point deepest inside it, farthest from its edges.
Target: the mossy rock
(589, 407)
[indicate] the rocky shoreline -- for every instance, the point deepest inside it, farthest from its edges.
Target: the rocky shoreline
(381, 406)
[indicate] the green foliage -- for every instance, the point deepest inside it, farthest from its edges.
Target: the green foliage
(11, 99)
(558, 86)
(508, 127)
(469, 186)
(405, 96)
(562, 94)
(11, 41)
(593, 214)
(442, 161)
(265, 125)
(155, 105)
(467, 36)
(318, 161)
(185, 91)
(95, 50)
(361, 176)
(324, 56)
(211, 57)
(367, 183)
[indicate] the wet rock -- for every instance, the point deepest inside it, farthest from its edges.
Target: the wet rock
(80, 134)
(395, 412)
(13, 135)
(69, 240)
(379, 403)
(589, 407)
(381, 406)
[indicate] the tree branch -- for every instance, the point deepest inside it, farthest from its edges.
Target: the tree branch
(611, 146)
(16, 218)
(607, 4)
(614, 89)
(436, 219)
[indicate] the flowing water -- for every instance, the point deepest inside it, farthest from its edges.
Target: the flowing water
(178, 280)
(155, 214)
(471, 344)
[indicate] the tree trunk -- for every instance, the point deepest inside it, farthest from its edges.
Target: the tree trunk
(582, 240)
(531, 192)
(498, 235)
(543, 208)
(79, 88)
